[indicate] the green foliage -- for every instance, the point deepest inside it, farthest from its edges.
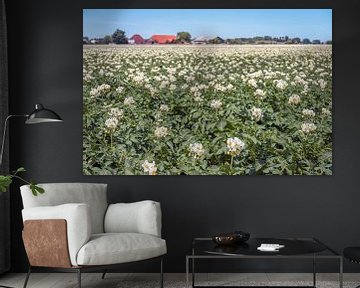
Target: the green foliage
(183, 37)
(107, 40)
(36, 189)
(6, 180)
(187, 79)
(118, 37)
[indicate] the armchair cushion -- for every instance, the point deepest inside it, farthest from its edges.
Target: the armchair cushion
(113, 248)
(92, 194)
(138, 217)
(78, 221)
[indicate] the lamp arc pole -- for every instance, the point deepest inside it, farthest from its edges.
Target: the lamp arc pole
(39, 115)
(4, 133)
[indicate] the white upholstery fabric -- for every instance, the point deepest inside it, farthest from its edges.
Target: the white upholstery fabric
(62, 193)
(78, 221)
(132, 230)
(113, 248)
(139, 217)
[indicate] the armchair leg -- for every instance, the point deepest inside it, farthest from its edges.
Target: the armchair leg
(27, 277)
(103, 275)
(79, 277)
(161, 273)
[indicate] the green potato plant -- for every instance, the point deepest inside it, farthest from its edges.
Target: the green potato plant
(209, 110)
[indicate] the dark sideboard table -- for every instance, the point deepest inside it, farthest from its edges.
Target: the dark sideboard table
(295, 248)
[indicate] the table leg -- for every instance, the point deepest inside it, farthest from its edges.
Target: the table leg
(193, 272)
(314, 271)
(193, 267)
(341, 273)
(187, 272)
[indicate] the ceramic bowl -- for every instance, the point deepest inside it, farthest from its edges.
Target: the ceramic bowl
(225, 239)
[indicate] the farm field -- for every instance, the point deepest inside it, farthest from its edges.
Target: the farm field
(207, 110)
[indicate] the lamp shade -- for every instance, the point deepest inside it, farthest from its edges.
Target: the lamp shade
(42, 115)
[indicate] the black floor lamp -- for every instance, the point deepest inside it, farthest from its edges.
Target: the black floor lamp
(39, 115)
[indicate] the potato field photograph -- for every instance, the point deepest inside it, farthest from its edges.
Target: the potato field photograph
(214, 92)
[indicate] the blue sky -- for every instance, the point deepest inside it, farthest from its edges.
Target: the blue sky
(226, 23)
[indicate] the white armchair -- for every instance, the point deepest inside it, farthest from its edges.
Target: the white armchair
(72, 228)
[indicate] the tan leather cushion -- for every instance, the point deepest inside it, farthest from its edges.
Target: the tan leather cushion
(78, 225)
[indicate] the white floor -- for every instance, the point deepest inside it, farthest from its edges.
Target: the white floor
(114, 280)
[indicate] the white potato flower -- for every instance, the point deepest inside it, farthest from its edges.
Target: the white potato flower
(101, 89)
(129, 101)
(219, 87)
(163, 84)
(119, 89)
(294, 99)
(256, 114)
(281, 84)
(197, 150)
(234, 146)
(164, 108)
(322, 83)
(230, 87)
(161, 132)
(111, 124)
(252, 82)
(215, 104)
(88, 77)
(308, 127)
(158, 117)
(116, 112)
(149, 167)
(325, 112)
(260, 94)
(184, 86)
(308, 113)
(198, 99)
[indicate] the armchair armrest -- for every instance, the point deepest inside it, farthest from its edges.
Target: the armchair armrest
(78, 225)
(138, 217)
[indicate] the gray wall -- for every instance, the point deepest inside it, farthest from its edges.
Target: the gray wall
(4, 167)
(46, 66)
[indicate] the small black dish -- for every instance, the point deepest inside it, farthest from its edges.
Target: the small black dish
(231, 238)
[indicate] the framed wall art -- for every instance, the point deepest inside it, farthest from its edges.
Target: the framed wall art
(207, 91)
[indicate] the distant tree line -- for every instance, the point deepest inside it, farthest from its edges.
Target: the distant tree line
(119, 37)
(274, 40)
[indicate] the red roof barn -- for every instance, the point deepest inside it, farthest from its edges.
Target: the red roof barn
(137, 39)
(163, 39)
